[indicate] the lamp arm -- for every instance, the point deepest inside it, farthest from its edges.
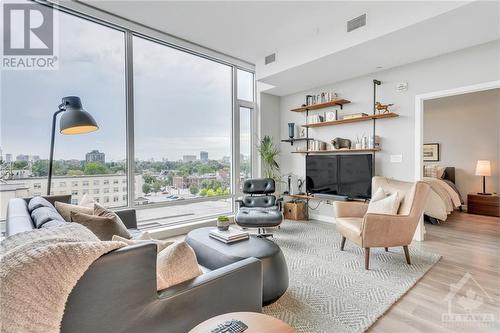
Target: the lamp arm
(52, 139)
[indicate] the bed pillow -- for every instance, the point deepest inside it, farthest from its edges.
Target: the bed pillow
(65, 210)
(102, 226)
(144, 238)
(175, 264)
(388, 205)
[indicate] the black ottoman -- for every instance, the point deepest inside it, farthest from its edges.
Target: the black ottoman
(214, 254)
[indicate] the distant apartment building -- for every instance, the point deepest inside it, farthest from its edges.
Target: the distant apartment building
(22, 157)
(189, 158)
(108, 190)
(95, 156)
(8, 158)
(204, 156)
(178, 182)
(34, 158)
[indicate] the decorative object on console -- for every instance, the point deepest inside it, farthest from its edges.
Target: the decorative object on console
(223, 222)
(340, 143)
(318, 145)
(382, 107)
(358, 144)
(75, 120)
(483, 168)
(431, 152)
(300, 184)
(291, 130)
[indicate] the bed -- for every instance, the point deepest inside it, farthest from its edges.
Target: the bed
(444, 196)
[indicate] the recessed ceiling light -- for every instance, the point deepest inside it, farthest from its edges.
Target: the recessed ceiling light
(379, 67)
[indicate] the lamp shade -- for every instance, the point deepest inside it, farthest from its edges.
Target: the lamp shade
(483, 168)
(75, 120)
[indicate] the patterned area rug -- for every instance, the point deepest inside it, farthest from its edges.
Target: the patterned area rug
(330, 291)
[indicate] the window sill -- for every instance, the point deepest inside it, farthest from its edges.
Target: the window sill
(177, 230)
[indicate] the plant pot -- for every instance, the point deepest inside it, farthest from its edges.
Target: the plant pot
(223, 223)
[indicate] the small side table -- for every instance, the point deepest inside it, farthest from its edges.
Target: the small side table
(256, 322)
(483, 204)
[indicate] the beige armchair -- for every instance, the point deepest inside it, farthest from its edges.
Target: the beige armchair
(379, 230)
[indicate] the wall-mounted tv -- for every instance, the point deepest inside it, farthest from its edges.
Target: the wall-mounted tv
(348, 176)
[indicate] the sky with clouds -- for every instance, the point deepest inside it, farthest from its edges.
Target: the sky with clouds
(182, 102)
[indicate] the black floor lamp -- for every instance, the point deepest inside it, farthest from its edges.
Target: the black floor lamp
(75, 120)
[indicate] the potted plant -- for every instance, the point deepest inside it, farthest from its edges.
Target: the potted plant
(268, 153)
(223, 222)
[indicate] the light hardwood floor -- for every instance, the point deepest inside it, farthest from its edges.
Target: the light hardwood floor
(468, 244)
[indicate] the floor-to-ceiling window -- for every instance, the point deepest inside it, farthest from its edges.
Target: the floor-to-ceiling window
(190, 138)
(91, 65)
(183, 113)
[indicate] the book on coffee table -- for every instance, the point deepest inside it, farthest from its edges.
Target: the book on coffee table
(228, 236)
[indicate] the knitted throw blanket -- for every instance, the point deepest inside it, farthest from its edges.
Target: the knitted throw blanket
(38, 270)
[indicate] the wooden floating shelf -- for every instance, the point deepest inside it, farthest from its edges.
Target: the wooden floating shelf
(299, 196)
(298, 139)
(337, 151)
(352, 120)
(337, 102)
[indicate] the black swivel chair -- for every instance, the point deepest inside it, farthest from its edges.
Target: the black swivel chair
(259, 208)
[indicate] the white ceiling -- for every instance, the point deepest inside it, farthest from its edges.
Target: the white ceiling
(253, 29)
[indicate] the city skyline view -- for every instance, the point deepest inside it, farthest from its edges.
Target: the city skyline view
(183, 102)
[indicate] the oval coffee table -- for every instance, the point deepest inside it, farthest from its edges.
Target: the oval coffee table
(214, 254)
(256, 322)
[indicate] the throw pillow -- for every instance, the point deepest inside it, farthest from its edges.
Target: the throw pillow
(388, 205)
(144, 238)
(42, 215)
(87, 201)
(432, 170)
(378, 195)
(175, 264)
(38, 202)
(103, 227)
(65, 210)
(104, 212)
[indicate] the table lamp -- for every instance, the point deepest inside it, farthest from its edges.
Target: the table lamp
(75, 120)
(483, 168)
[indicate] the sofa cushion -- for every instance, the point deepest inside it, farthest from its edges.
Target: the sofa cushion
(65, 210)
(102, 226)
(175, 264)
(38, 202)
(42, 215)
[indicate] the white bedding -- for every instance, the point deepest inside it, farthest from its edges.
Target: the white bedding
(442, 199)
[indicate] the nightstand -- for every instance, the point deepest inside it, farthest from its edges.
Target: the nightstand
(483, 204)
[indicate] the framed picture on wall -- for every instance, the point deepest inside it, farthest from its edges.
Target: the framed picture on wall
(431, 152)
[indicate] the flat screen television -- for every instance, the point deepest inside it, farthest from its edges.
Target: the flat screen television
(348, 176)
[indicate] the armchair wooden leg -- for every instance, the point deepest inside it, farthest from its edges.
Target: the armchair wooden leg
(386, 249)
(367, 258)
(342, 243)
(407, 254)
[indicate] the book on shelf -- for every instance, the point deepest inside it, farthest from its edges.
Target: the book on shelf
(228, 236)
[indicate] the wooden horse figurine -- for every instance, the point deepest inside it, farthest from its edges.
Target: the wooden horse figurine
(382, 107)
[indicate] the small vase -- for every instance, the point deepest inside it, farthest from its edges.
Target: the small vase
(357, 146)
(291, 130)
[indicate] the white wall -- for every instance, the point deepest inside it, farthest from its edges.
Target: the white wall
(466, 67)
(269, 120)
(467, 127)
